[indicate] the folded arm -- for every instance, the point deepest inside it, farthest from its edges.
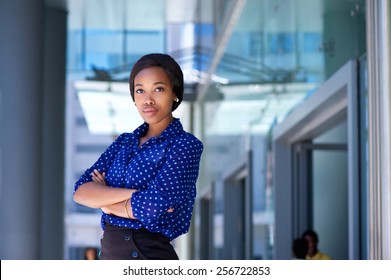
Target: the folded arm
(97, 194)
(114, 201)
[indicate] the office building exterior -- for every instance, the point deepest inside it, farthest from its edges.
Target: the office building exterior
(290, 98)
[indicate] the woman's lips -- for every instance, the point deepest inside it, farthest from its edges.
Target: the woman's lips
(149, 111)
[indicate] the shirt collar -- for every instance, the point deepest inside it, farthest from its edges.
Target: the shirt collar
(173, 129)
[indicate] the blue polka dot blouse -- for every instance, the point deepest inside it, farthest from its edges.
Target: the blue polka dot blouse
(164, 170)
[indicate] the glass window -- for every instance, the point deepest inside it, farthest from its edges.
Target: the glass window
(279, 52)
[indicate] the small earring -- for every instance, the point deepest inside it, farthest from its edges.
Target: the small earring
(176, 99)
(135, 104)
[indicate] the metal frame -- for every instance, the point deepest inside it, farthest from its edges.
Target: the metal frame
(378, 24)
(241, 169)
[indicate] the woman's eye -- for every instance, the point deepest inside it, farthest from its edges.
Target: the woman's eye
(139, 90)
(159, 89)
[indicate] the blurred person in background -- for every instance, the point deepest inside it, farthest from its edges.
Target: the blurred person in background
(299, 248)
(90, 253)
(313, 251)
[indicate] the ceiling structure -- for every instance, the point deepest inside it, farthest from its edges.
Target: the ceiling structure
(248, 92)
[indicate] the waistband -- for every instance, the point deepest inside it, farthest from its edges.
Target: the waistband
(136, 232)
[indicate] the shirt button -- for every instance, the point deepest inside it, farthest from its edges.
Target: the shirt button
(127, 237)
(134, 254)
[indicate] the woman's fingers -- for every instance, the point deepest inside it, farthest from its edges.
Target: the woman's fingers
(98, 177)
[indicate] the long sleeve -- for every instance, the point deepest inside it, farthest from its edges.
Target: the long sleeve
(163, 170)
(174, 187)
(104, 161)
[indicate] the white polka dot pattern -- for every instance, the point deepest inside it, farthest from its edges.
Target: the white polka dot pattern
(164, 170)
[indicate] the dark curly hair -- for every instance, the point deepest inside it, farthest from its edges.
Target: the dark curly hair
(170, 66)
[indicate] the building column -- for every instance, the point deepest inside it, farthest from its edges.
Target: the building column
(53, 135)
(378, 20)
(32, 122)
(21, 76)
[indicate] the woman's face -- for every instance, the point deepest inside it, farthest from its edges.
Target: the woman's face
(153, 96)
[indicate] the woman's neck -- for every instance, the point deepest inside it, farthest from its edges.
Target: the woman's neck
(154, 130)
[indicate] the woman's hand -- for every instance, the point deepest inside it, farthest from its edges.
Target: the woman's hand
(97, 194)
(98, 177)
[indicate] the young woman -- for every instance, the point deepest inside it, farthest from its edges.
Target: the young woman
(145, 182)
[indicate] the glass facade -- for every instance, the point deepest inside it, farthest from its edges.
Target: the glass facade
(110, 35)
(276, 54)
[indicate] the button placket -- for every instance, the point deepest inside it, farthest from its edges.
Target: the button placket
(127, 237)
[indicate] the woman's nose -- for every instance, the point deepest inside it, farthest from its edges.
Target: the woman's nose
(148, 100)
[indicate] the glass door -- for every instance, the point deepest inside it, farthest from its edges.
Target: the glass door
(321, 195)
(316, 169)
